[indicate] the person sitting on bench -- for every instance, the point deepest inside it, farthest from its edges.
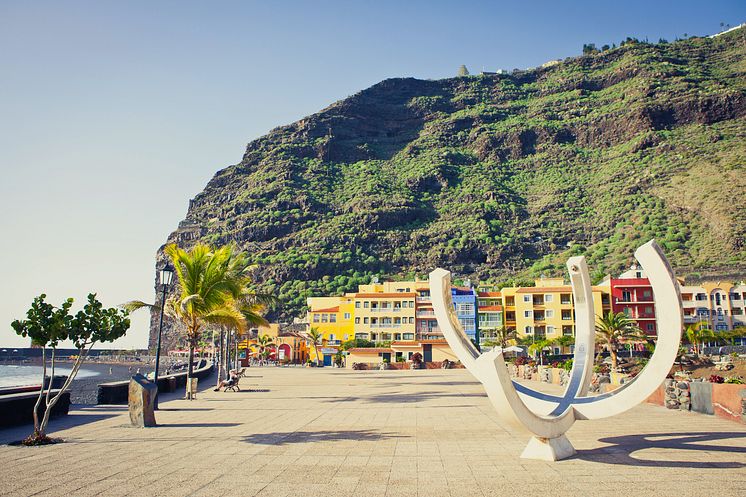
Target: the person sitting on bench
(232, 375)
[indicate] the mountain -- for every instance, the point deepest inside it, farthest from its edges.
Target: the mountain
(497, 176)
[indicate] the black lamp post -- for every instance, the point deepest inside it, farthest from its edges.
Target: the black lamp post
(166, 275)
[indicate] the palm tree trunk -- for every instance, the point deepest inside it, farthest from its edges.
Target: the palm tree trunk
(190, 370)
(612, 353)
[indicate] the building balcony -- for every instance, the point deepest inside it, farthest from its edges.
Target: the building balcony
(423, 299)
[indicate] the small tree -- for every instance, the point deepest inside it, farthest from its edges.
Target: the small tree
(614, 329)
(463, 71)
(698, 333)
(315, 337)
(48, 326)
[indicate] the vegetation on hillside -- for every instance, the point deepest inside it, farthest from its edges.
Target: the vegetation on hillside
(497, 176)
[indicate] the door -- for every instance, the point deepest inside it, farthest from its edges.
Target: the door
(427, 352)
(386, 356)
(327, 360)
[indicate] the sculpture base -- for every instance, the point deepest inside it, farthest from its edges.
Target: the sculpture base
(548, 449)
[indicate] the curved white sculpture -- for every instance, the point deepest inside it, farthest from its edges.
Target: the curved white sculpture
(548, 417)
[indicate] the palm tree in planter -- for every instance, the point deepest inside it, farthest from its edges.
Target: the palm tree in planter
(315, 337)
(538, 347)
(614, 329)
(503, 337)
(264, 342)
(213, 290)
(697, 334)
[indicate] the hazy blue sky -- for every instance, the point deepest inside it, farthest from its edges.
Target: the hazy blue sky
(114, 114)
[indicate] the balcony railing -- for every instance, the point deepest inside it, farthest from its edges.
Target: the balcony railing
(425, 314)
(423, 299)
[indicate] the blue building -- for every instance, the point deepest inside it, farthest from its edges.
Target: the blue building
(465, 303)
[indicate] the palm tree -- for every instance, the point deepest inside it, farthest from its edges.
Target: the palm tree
(698, 333)
(538, 347)
(315, 336)
(213, 289)
(615, 329)
(503, 337)
(264, 342)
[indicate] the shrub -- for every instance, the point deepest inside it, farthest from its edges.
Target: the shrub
(716, 379)
(734, 379)
(521, 360)
(417, 358)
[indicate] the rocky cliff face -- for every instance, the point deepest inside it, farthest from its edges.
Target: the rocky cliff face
(497, 176)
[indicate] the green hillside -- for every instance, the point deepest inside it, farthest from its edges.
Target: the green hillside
(498, 176)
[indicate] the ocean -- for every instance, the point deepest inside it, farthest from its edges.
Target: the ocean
(12, 376)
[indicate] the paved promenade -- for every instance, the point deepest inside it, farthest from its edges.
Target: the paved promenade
(327, 432)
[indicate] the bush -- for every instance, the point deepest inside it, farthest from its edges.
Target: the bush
(521, 360)
(567, 365)
(417, 358)
(716, 379)
(734, 380)
(399, 359)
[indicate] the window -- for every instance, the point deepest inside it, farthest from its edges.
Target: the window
(548, 297)
(347, 337)
(366, 304)
(411, 320)
(549, 313)
(347, 316)
(316, 318)
(527, 298)
(325, 318)
(550, 330)
(626, 296)
(366, 320)
(411, 304)
(357, 320)
(332, 318)
(357, 305)
(408, 336)
(528, 330)
(401, 304)
(646, 293)
(331, 338)
(648, 310)
(565, 298)
(528, 314)
(398, 320)
(650, 327)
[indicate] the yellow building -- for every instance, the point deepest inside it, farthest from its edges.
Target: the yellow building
(546, 311)
(333, 318)
(385, 316)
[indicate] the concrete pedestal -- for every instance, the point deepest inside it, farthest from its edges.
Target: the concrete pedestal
(548, 449)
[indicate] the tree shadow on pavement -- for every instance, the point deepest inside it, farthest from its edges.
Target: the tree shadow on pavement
(623, 447)
(299, 437)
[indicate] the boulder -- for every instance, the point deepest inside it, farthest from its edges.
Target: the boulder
(141, 401)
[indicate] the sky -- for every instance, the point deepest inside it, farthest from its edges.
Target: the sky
(114, 114)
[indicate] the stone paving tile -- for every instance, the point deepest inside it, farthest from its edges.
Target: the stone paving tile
(326, 432)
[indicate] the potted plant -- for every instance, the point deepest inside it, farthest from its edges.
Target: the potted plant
(416, 361)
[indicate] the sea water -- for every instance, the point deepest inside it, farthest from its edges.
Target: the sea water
(13, 376)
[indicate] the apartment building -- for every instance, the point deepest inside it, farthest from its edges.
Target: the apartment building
(489, 313)
(722, 305)
(632, 294)
(546, 311)
(385, 312)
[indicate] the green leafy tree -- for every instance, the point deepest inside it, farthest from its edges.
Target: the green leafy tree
(315, 337)
(213, 290)
(614, 329)
(47, 326)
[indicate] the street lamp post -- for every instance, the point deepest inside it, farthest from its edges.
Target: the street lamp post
(166, 275)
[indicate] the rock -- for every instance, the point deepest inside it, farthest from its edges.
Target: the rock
(141, 401)
(682, 385)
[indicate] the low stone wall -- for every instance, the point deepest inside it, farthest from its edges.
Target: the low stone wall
(724, 400)
(18, 408)
(116, 392)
